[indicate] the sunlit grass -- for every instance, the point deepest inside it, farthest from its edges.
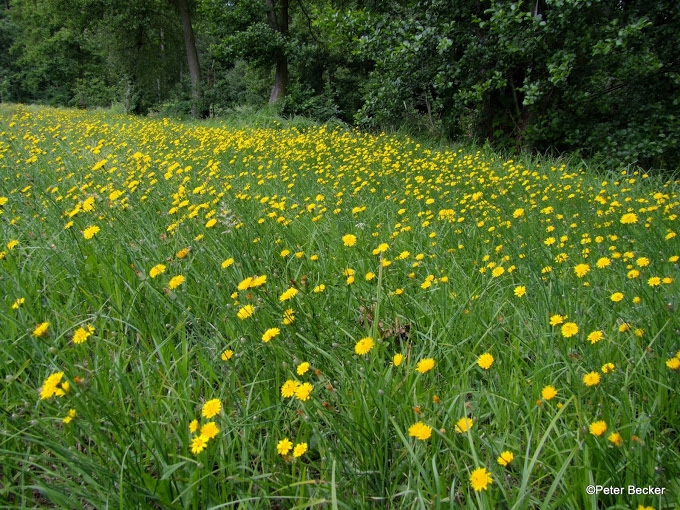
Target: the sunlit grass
(378, 321)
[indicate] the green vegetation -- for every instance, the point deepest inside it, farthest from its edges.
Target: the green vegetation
(302, 316)
(597, 77)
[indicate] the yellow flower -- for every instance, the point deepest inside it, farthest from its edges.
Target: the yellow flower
(270, 333)
(349, 240)
(289, 388)
(518, 213)
(182, 254)
(615, 438)
(193, 426)
(90, 232)
(595, 336)
(288, 294)
(598, 428)
(176, 281)
(420, 431)
(397, 359)
(485, 360)
(548, 393)
(41, 329)
(497, 271)
(673, 363)
(581, 270)
(198, 444)
(299, 450)
(81, 334)
(211, 223)
(69, 417)
(603, 262)
(632, 274)
(629, 218)
(520, 291)
(369, 276)
(591, 379)
(569, 329)
(227, 355)
(463, 425)
(228, 262)
(364, 346)
(288, 316)
(302, 368)
(617, 296)
(654, 281)
(18, 303)
(12, 244)
(425, 365)
(382, 248)
(303, 391)
(211, 408)
(284, 446)
(556, 320)
(480, 479)
(608, 367)
(245, 312)
(642, 262)
(156, 270)
(319, 288)
(505, 458)
(285, 253)
(51, 385)
(209, 430)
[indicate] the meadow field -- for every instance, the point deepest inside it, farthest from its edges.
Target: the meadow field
(301, 316)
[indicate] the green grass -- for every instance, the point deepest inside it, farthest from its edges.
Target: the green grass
(154, 359)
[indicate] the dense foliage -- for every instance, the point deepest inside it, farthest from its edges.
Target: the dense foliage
(599, 76)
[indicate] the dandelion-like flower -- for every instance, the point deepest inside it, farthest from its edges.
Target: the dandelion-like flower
(397, 359)
(90, 232)
(485, 360)
(615, 438)
(299, 450)
(595, 337)
(520, 291)
(81, 334)
(302, 368)
(364, 346)
(420, 431)
(270, 333)
(227, 355)
(598, 428)
(156, 270)
(211, 408)
(288, 294)
(176, 281)
(245, 312)
(289, 388)
(209, 430)
(198, 444)
(284, 446)
(591, 379)
(425, 365)
(349, 240)
(569, 329)
(505, 458)
(303, 391)
(463, 425)
(41, 329)
(480, 479)
(581, 270)
(548, 393)
(629, 218)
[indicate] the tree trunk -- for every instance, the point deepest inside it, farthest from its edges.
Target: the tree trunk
(192, 54)
(279, 23)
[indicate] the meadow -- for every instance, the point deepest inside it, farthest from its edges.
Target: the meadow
(297, 316)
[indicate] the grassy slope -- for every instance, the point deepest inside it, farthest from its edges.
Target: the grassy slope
(283, 197)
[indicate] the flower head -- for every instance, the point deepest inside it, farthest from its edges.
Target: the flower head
(210, 430)
(198, 444)
(349, 240)
(480, 479)
(211, 408)
(288, 388)
(288, 294)
(303, 391)
(425, 365)
(463, 425)
(156, 270)
(420, 431)
(176, 281)
(299, 450)
(548, 393)
(364, 346)
(598, 428)
(569, 329)
(302, 368)
(269, 334)
(81, 334)
(41, 329)
(245, 312)
(227, 355)
(505, 458)
(595, 337)
(485, 360)
(90, 232)
(520, 291)
(591, 379)
(397, 359)
(284, 446)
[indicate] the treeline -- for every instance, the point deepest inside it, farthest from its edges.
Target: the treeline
(601, 77)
